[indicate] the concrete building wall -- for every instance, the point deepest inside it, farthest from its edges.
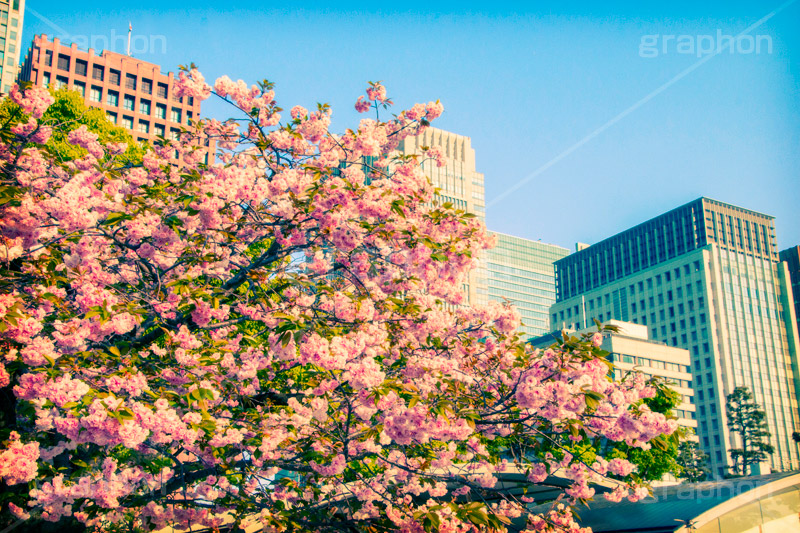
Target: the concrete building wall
(12, 13)
(723, 301)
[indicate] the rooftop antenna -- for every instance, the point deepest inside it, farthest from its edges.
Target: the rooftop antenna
(130, 29)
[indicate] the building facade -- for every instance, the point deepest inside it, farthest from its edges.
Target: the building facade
(133, 93)
(520, 271)
(791, 256)
(12, 13)
(704, 277)
(459, 183)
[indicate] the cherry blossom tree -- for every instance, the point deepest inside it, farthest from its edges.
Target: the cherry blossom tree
(277, 338)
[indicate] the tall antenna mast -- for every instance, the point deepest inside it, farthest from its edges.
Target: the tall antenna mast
(130, 29)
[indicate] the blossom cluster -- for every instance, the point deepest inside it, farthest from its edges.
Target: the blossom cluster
(275, 332)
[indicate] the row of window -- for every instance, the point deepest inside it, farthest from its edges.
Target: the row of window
(652, 363)
(128, 101)
(99, 72)
(142, 126)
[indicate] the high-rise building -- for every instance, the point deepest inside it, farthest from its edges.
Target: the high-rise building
(12, 13)
(133, 93)
(704, 277)
(631, 349)
(520, 271)
(459, 183)
(791, 256)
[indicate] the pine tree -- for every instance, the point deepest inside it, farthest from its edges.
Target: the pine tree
(746, 418)
(693, 462)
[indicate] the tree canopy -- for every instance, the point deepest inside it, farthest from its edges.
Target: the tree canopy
(278, 337)
(749, 422)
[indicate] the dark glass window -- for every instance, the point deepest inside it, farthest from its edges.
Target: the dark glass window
(63, 62)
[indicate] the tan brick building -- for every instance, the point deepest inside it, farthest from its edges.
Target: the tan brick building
(133, 93)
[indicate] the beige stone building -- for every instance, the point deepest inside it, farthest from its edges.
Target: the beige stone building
(459, 183)
(11, 16)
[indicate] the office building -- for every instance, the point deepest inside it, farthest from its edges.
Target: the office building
(791, 256)
(520, 271)
(12, 13)
(459, 183)
(704, 277)
(133, 93)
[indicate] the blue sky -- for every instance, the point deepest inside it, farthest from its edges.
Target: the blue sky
(529, 86)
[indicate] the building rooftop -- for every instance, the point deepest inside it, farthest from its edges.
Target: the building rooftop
(706, 507)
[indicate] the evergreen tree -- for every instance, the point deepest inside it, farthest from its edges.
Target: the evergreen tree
(693, 462)
(746, 418)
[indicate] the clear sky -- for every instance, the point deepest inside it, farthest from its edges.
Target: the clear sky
(586, 118)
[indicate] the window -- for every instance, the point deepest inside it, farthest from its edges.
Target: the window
(161, 91)
(112, 98)
(130, 81)
(174, 134)
(14, 22)
(127, 122)
(80, 67)
(48, 58)
(113, 76)
(144, 126)
(111, 116)
(144, 107)
(147, 86)
(160, 132)
(129, 102)
(63, 62)
(175, 116)
(176, 98)
(667, 277)
(161, 111)
(96, 94)
(46, 79)
(97, 72)
(61, 81)
(80, 87)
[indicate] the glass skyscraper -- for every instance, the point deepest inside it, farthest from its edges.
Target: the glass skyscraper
(705, 277)
(520, 271)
